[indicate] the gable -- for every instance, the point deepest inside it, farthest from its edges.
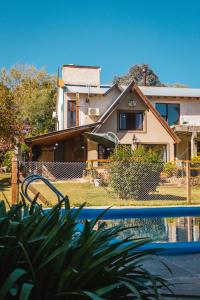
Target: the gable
(153, 125)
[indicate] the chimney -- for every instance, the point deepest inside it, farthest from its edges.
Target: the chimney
(144, 71)
(81, 75)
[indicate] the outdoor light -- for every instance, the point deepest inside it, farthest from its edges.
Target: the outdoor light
(132, 103)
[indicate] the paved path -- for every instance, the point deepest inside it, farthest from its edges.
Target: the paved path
(185, 272)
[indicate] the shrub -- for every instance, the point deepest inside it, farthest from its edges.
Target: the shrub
(170, 168)
(196, 159)
(195, 181)
(24, 151)
(47, 256)
(7, 160)
(136, 173)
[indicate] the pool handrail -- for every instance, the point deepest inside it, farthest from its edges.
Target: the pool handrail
(31, 178)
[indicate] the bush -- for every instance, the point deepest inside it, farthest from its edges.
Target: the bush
(48, 256)
(7, 160)
(196, 159)
(134, 174)
(170, 169)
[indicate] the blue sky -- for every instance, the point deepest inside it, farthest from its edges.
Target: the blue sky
(113, 34)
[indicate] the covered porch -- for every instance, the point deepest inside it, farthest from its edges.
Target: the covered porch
(67, 145)
(190, 141)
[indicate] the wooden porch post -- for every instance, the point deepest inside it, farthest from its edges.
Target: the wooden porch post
(188, 183)
(14, 180)
(193, 144)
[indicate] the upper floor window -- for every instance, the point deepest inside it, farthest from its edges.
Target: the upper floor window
(131, 120)
(71, 113)
(170, 112)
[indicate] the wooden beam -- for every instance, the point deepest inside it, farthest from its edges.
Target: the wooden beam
(34, 191)
(14, 180)
(77, 109)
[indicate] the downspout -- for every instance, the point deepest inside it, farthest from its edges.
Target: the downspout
(63, 111)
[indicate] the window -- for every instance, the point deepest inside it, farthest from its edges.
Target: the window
(131, 120)
(170, 112)
(161, 150)
(71, 114)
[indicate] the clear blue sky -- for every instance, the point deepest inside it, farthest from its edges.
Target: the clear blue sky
(113, 34)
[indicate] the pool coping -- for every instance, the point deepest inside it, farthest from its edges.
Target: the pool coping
(139, 206)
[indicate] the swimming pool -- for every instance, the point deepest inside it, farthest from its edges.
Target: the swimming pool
(174, 229)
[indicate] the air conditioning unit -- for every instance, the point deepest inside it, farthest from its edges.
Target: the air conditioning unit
(93, 112)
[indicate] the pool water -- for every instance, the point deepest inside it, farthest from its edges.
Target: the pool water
(175, 230)
(160, 229)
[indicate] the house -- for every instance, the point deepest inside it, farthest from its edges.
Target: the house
(163, 118)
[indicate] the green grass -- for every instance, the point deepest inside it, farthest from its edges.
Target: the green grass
(101, 196)
(5, 186)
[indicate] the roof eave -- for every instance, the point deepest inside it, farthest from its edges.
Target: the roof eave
(59, 133)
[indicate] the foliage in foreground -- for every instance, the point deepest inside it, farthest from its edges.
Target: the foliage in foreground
(135, 173)
(47, 256)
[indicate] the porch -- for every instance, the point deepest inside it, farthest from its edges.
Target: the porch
(190, 141)
(67, 145)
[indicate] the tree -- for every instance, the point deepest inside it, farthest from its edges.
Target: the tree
(8, 125)
(34, 95)
(137, 73)
(176, 85)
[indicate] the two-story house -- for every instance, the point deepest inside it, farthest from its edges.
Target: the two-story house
(163, 118)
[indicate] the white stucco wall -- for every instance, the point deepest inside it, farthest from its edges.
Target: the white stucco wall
(81, 75)
(60, 108)
(189, 109)
(98, 101)
(101, 102)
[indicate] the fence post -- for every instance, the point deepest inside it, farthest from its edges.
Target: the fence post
(188, 182)
(14, 180)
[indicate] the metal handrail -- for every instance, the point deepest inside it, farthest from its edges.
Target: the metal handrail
(31, 178)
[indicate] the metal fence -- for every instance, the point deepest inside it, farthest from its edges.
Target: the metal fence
(54, 171)
(102, 181)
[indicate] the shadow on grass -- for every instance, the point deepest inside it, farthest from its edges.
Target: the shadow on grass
(5, 183)
(164, 197)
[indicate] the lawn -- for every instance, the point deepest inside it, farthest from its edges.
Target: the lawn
(5, 187)
(101, 196)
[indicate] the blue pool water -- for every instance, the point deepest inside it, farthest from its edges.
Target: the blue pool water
(176, 229)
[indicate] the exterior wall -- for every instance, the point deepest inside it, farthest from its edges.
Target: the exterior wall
(99, 101)
(92, 150)
(60, 107)
(153, 132)
(46, 155)
(189, 108)
(81, 75)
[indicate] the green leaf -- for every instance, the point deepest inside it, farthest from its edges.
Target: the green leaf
(132, 289)
(10, 282)
(26, 291)
(93, 296)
